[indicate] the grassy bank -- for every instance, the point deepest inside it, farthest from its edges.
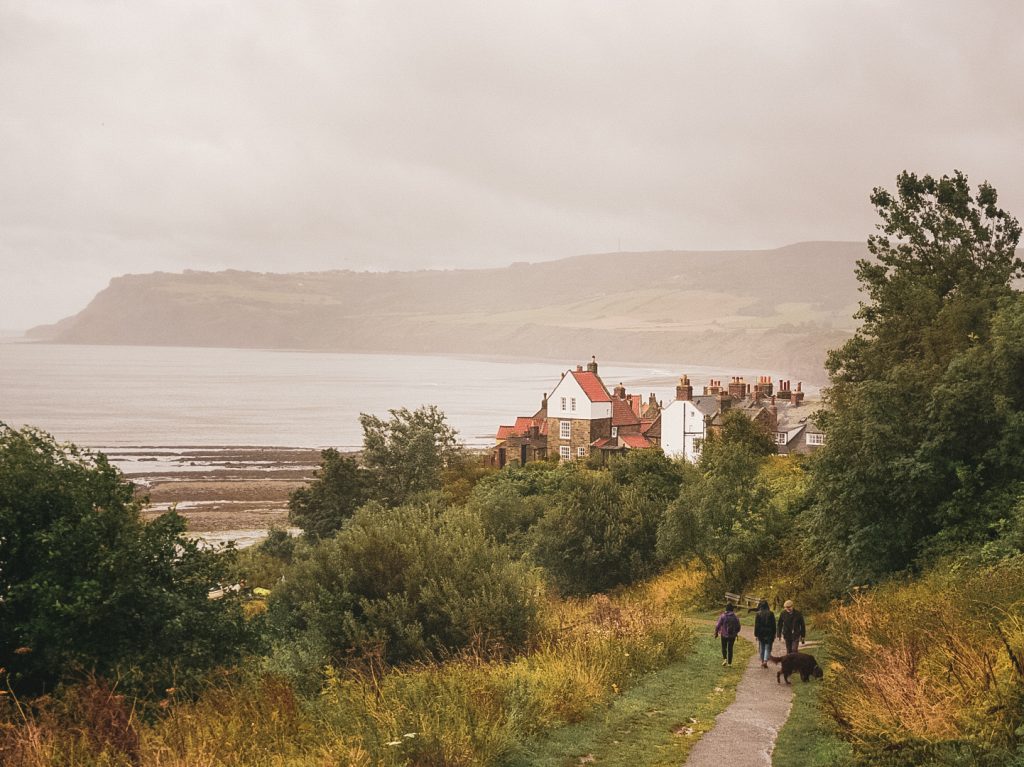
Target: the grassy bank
(467, 711)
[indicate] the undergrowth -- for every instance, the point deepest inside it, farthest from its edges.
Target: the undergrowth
(469, 710)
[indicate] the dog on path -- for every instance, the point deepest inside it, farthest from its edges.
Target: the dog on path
(797, 662)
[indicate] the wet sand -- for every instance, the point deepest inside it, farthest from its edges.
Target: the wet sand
(224, 493)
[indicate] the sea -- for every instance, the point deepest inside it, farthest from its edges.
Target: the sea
(116, 396)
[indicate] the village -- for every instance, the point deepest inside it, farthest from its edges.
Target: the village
(581, 419)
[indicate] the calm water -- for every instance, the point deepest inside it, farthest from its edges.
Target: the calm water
(108, 396)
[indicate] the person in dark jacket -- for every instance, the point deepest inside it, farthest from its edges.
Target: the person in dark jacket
(791, 627)
(728, 628)
(764, 630)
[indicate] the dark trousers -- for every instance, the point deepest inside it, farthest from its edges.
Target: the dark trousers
(792, 644)
(727, 643)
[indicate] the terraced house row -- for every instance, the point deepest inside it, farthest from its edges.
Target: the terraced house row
(581, 418)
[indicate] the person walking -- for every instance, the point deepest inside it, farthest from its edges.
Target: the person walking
(791, 627)
(764, 630)
(728, 628)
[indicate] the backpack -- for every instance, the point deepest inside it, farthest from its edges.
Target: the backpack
(731, 626)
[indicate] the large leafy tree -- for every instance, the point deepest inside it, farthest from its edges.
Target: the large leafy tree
(725, 517)
(407, 453)
(920, 401)
(86, 585)
(339, 488)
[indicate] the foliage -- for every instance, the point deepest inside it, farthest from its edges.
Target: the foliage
(924, 424)
(85, 585)
(932, 671)
(407, 453)
(468, 710)
(339, 488)
(595, 534)
(405, 583)
(727, 517)
(510, 502)
(651, 473)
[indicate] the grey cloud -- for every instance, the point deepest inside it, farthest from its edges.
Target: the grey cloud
(305, 135)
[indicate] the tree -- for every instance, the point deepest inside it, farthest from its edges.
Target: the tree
(339, 488)
(911, 421)
(725, 517)
(86, 585)
(594, 534)
(407, 453)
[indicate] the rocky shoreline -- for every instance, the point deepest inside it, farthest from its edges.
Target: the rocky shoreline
(224, 492)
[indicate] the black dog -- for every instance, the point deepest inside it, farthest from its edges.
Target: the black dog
(801, 662)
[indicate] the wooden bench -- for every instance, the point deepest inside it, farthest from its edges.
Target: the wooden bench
(743, 600)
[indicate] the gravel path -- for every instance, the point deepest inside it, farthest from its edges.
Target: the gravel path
(744, 734)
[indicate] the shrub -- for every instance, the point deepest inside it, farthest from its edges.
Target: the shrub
(411, 582)
(932, 668)
(86, 585)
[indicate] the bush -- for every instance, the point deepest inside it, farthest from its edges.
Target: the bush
(86, 586)
(596, 535)
(406, 583)
(932, 668)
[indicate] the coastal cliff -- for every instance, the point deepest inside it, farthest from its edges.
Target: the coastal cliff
(780, 309)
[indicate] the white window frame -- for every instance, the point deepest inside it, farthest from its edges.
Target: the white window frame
(565, 453)
(563, 404)
(565, 429)
(815, 438)
(572, 404)
(698, 443)
(780, 438)
(581, 452)
(615, 432)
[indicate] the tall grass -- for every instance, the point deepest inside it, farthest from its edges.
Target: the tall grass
(469, 710)
(932, 671)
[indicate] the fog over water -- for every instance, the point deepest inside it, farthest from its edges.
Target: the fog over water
(110, 396)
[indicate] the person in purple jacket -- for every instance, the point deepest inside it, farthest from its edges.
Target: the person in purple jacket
(728, 628)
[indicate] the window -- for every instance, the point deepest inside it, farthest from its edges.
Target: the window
(564, 453)
(698, 443)
(573, 403)
(815, 438)
(615, 432)
(780, 438)
(563, 404)
(564, 429)
(581, 452)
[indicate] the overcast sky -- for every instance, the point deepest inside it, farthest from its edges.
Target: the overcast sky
(282, 136)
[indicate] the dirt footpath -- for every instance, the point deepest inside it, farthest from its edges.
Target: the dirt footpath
(744, 734)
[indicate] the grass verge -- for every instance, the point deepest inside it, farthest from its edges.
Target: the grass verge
(808, 738)
(655, 723)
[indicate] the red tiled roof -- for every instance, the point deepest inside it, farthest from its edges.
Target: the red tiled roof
(504, 432)
(592, 386)
(622, 413)
(634, 440)
(523, 424)
(599, 443)
(637, 403)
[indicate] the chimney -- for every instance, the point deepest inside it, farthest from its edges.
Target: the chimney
(784, 390)
(773, 414)
(592, 365)
(652, 401)
(798, 396)
(713, 387)
(724, 400)
(620, 391)
(764, 387)
(579, 368)
(544, 402)
(684, 391)
(737, 389)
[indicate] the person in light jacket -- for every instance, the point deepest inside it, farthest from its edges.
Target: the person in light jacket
(791, 627)
(764, 630)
